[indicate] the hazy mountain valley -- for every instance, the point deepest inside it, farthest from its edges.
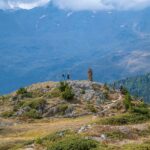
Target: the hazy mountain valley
(42, 43)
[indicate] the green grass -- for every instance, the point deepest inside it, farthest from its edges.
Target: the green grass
(124, 119)
(67, 140)
(74, 143)
(15, 145)
(116, 135)
(144, 146)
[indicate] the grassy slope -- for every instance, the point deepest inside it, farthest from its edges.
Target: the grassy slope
(32, 130)
(124, 131)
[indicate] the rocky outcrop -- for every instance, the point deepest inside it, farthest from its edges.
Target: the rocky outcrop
(45, 100)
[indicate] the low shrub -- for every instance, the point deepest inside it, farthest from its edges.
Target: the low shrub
(39, 141)
(141, 110)
(91, 108)
(76, 143)
(33, 114)
(68, 94)
(33, 103)
(34, 106)
(62, 108)
(21, 91)
(127, 102)
(63, 86)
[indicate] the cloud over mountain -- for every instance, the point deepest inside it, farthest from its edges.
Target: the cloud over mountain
(77, 5)
(22, 4)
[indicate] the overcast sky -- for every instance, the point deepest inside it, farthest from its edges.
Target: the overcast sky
(77, 5)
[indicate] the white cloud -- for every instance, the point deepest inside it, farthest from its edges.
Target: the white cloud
(93, 5)
(77, 5)
(22, 4)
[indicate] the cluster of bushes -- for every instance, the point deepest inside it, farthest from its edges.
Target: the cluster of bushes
(32, 103)
(24, 93)
(66, 91)
(74, 143)
(140, 108)
(21, 91)
(67, 141)
(36, 107)
(33, 113)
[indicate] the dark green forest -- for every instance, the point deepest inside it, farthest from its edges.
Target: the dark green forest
(138, 86)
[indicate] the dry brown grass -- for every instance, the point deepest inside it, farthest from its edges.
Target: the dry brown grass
(26, 131)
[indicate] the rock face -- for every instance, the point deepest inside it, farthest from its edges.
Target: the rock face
(89, 91)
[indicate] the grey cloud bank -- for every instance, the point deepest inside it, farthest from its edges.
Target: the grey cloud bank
(77, 5)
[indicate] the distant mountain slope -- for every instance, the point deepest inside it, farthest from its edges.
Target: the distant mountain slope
(138, 86)
(42, 43)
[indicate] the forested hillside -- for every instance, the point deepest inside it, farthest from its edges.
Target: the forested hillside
(138, 86)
